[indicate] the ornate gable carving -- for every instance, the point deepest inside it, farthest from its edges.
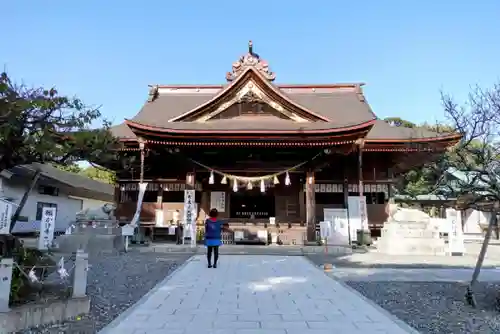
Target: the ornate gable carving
(251, 59)
(251, 93)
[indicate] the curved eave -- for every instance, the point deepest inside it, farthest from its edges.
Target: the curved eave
(153, 131)
(249, 72)
(412, 144)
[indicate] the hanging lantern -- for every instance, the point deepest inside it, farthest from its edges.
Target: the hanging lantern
(249, 185)
(224, 180)
(262, 186)
(235, 185)
(211, 179)
(275, 180)
(287, 179)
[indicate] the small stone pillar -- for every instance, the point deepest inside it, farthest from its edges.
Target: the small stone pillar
(6, 266)
(80, 274)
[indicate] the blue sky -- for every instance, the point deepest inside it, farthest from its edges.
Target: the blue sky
(107, 52)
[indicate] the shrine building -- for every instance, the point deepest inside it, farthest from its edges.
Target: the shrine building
(268, 156)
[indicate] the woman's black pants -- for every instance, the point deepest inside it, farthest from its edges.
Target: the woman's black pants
(215, 251)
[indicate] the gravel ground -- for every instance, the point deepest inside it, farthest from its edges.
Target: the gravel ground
(116, 282)
(436, 308)
(430, 307)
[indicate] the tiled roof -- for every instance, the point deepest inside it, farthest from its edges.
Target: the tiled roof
(95, 189)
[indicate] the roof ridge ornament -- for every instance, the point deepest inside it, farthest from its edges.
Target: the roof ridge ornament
(251, 59)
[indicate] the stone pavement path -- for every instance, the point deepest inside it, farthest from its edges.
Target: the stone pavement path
(254, 295)
(413, 275)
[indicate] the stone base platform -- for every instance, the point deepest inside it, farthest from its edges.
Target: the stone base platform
(38, 314)
(410, 238)
(89, 243)
(92, 236)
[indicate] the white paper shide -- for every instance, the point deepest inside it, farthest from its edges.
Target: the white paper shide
(47, 226)
(140, 198)
(357, 215)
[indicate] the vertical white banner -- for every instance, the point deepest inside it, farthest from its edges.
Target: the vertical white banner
(5, 216)
(340, 225)
(140, 198)
(159, 219)
(363, 213)
(47, 227)
(189, 207)
(455, 234)
(325, 230)
(355, 222)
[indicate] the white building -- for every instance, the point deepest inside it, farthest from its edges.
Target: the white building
(68, 192)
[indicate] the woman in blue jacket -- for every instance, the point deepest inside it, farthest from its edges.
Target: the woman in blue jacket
(213, 237)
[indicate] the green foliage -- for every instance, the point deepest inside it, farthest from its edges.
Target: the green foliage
(396, 121)
(470, 170)
(40, 125)
(420, 180)
(92, 172)
(99, 174)
(26, 259)
(70, 168)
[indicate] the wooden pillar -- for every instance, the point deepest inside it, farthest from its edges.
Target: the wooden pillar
(360, 167)
(345, 187)
(362, 205)
(143, 155)
(390, 190)
(302, 205)
(205, 204)
(310, 207)
(345, 190)
(190, 181)
(116, 195)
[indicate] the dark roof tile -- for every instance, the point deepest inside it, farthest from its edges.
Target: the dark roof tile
(99, 190)
(258, 123)
(382, 130)
(339, 107)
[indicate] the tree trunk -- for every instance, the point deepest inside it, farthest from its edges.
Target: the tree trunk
(470, 289)
(16, 214)
(8, 242)
(497, 229)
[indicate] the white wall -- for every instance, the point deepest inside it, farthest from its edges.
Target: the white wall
(66, 207)
(90, 203)
(473, 220)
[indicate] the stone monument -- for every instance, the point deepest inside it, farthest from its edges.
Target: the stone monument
(410, 232)
(95, 229)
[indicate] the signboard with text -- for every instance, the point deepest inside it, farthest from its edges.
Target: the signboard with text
(189, 207)
(5, 216)
(47, 227)
(218, 200)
